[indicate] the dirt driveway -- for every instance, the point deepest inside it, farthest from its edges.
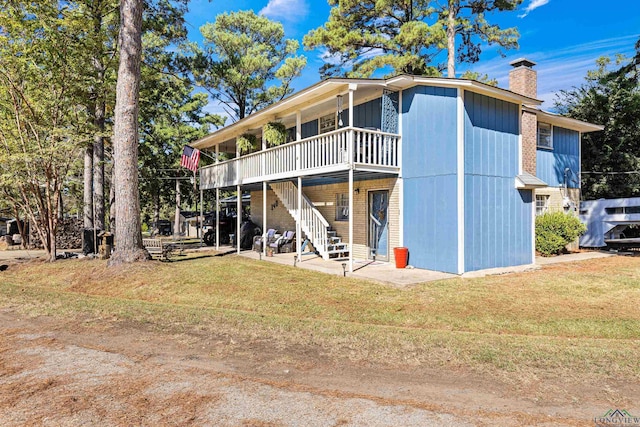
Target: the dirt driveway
(99, 372)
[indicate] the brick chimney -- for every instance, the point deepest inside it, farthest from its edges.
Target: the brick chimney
(523, 80)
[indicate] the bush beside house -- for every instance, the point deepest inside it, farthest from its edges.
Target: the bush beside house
(556, 230)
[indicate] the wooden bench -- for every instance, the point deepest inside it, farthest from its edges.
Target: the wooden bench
(157, 248)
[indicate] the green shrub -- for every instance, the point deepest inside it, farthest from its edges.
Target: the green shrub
(275, 133)
(555, 230)
(247, 143)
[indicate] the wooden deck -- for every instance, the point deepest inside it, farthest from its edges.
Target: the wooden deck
(340, 150)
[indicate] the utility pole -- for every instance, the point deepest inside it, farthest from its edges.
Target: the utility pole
(176, 224)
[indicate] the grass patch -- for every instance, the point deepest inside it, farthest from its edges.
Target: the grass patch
(572, 320)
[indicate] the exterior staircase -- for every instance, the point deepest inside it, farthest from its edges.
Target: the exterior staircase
(317, 229)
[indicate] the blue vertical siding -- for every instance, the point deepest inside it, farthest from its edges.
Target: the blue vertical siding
(309, 129)
(551, 163)
(429, 171)
(368, 115)
(498, 217)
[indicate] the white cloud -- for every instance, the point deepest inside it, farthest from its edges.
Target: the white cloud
(533, 4)
(286, 10)
(558, 69)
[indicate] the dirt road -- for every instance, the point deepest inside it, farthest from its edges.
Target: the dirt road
(105, 372)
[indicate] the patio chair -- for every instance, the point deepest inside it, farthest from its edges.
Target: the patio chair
(284, 243)
(258, 241)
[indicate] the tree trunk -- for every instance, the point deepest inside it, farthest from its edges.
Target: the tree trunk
(451, 39)
(99, 111)
(156, 208)
(51, 238)
(88, 187)
(112, 202)
(98, 166)
(21, 228)
(60, 207)
(125, 139)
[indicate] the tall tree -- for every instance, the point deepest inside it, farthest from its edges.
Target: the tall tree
(610, 158)
(43, 121)
(171, 115)
(466, 19)
(407, 36)
(363, 36)
(125, 137)
(242, 58)
(101, 18)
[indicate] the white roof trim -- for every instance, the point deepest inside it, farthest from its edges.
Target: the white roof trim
(562, 121)
(403, 81)
(465, 84)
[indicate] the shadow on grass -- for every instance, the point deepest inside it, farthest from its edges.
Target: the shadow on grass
(174, 259)
(231, 252)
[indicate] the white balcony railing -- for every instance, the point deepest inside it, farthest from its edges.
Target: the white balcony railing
(332, 151)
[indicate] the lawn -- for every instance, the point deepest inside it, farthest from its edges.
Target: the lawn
(578, 320)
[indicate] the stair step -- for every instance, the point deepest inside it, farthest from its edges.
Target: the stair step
(335, 239)
(341, 254)
(338, 247)
(332, 233)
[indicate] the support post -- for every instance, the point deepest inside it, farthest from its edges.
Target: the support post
(238, 219)
(298, 138)
(350, 138)
(352, 89)
(350, 220)
(217, 219)
(217, 204)
(298, 167)
(264, 218)
(201, 218)
(298, 221)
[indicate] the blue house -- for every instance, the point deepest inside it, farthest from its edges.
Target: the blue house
(449, 168)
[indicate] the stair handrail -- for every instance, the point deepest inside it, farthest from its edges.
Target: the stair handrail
(311, 220)
(316, 211)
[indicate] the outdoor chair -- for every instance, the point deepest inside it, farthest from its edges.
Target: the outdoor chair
(284, 243)
(258, 241)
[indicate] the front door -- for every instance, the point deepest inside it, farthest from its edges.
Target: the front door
(378, 238)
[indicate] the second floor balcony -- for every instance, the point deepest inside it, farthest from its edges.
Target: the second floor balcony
(335, 151)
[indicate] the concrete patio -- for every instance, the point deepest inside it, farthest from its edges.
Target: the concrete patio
(378, 271)
(385, 272)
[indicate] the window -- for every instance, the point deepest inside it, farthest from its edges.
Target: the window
(613, 211)
(327, 123)
(545, 135)
(342, 207)
(542, 204)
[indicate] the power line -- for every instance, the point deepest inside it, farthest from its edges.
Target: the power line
(611, 173)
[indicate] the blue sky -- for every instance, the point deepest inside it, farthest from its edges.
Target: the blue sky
(564, 37)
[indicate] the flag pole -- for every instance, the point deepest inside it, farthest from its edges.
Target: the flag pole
(201, 208)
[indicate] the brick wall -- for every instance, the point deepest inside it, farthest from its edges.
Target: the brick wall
(277, 216)
(324, 199)
(524, 80)
(556, 198)
(529, 142)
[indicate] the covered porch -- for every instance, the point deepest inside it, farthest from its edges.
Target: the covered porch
(338, 131)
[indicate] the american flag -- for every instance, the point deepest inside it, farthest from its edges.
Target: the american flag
(190, 158)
